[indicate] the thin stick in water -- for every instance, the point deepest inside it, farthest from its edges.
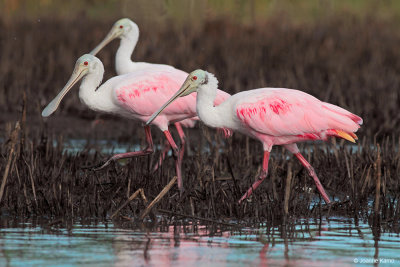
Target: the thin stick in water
(132, 197)
(159, 197)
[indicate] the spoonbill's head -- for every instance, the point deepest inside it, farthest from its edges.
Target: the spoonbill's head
(195, 79)
(86, 64)
(123, 28)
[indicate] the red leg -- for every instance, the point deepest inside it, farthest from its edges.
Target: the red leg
(182, 136)
(167, 146)
(148, 150)
(162, 156)
(178, 160)
(181, 133)
(312, 173)
(261, 178)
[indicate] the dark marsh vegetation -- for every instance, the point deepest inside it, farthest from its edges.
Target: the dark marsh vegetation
(342, 60)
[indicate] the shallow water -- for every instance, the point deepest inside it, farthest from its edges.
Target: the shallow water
(73, 146)
(332, 242)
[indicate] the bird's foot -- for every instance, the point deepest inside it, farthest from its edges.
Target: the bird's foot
(246, 195)
(181, 192)
(253, 187)
(98, 166)
(182, 197)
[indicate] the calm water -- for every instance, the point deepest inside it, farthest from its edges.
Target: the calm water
(73, 146)
(330, 242)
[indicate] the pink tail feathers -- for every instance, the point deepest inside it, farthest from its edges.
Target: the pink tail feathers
(342, 119)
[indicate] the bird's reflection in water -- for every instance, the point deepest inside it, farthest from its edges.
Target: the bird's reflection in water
(307, 242)
(169, 245)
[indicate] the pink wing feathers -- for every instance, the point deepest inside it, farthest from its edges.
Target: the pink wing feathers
(146, 91)
(287, 112)
(221, 97)
(343, 112)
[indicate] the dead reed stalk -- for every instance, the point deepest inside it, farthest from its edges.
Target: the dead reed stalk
(159, 197)
(377, 166)
(13, 141)
(287, 189)
(132, 197)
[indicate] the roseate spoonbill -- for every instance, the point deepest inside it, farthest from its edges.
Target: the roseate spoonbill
(274, 116)
(128, 32)
(135, 95)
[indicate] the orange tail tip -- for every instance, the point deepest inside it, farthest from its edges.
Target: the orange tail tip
(354, 136)
(347, 136)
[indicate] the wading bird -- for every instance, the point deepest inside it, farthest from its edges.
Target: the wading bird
(128, 32)
(135, 95)
(274, 116)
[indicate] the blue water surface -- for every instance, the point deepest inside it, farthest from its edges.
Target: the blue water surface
(327, 242)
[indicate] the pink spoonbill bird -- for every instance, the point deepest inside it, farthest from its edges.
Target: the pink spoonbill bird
(136, 95)
(128, 32)
(274, 116)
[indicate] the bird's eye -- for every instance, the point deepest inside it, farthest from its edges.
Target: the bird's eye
(120, 26)
(194, 78)
(85, 63)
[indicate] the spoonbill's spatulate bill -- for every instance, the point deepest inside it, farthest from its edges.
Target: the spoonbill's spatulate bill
(134, 96)
(274, 116)
(128, 32)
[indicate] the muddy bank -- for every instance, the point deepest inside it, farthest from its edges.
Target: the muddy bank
(42, 180)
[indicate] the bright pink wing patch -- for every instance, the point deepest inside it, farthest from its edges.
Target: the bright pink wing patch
(279, 106)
